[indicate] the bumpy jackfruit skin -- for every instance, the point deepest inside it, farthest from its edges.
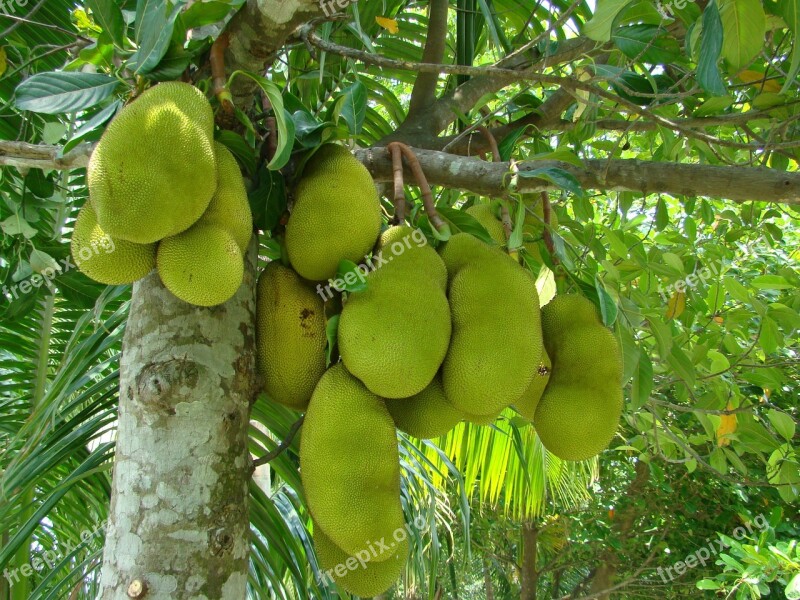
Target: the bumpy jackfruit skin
(290, 336)
(104, 259)
(409, 245)
(484, 214)
(229, 207)
(496, 341)
(579, 411)
(202, 266)
(394, 335)
(425, 415)
(349, 463)
(336, 215)
(527, 403)
(153, 171)
(381, 568)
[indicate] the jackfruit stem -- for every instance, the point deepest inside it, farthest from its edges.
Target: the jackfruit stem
(217, 60)
(505, 218)
(492, 143)
(281, 447)
(399, 194)
(424, 187)
(546, 234)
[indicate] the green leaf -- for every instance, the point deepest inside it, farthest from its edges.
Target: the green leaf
(62, 92)
(647, 43)
(710, 48)
(282, 120)
(790, 11)
(332, 333)
(154, 26)
(42, 261)
(349, 278)
(736, 289)
(515, 241)
(642, 383)
(771, 282)
(465, 223)
(16, 225)
(506, 146)
(108, 15)
(354, 106)
(682, 365)
(91, 126)
(714, 106)
(707, 584)
(205, 13)
(563, 179)
(743, 26)
(599, 27)
(792, 590)
(783, 423)
(608, 308)
(662, 214)
(770, 339)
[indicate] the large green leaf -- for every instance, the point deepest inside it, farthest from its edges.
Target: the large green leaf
(710, 48)
(61, 92)
(743, 27)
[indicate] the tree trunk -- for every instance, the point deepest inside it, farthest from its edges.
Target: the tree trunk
(606, 571)
(530, 576)
(178, 525)
(487, 581)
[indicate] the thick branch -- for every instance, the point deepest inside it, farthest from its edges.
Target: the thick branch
(257, 32)
(424, 92)
(740, 184)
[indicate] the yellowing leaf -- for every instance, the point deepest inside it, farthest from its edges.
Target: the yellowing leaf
(719, 320)
(3, 61)
(389, 25)
(676, 305)
(757, 79)
(727, 426)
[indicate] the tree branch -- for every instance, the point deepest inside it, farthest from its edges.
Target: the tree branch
(424, 92)
(257, 32)
(282, 447)
(740, 184)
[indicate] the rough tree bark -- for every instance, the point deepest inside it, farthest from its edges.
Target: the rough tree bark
(178, 525)
(530, 576)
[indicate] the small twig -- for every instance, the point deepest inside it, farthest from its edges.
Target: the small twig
(217, 60)
(492, 143)
(505, 218)
(399, 192)
(281, 448)
(422, 182)
(546, 233)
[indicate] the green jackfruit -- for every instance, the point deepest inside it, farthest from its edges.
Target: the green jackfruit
(527, 403)
(579, 411)
(290, 336)
(368, 573)
(484, 214)
(105, 259)
(406, 244)
(336, 215)
(202, 266)
(394, 335)
(229, 207)
(496, 342)
(153, 171)
(427, 414)
(349, 463)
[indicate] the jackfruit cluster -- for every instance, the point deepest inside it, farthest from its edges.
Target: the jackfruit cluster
(431, 338)
(163, 194)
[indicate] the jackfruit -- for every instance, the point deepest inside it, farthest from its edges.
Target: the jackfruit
(336, 215)
(496, 342)
(349, 463)
(484, 214)
(578, 413)
(290, 336)
(394, 335)
(370, 572)
(105, 259)
(425, 415)
(527, 403)
(407, 244)
(229, 207)
(202, 266)
(153, 171)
